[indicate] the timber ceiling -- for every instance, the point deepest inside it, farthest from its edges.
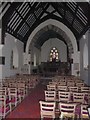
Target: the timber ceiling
(21, 18)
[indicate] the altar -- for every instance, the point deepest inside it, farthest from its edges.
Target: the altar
(60, 68)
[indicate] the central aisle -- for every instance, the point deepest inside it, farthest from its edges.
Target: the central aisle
(29, 108)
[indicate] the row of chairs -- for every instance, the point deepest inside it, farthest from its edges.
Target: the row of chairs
(9, 98)
(77, 97)
(67, 96)
(29, 81)
(68, 88)
(66, 110)
(13, 91)
(70, 77)
(66, 83)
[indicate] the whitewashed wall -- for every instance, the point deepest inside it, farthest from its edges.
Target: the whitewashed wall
(48, 45)
(10, 44)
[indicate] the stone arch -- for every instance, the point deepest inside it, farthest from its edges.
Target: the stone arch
(57, 24)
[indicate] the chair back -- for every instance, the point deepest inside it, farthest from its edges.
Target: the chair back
(62, 83)
(47, 109)
(80, 84)
(62, 88)
(4, 106)
(3, 91)
(67, 110)
(64, 96)
(53, 83)
(73, 89)
(71, 84)
(84, 112)
(50, 95)
(78, 97)
(85, 89)
(51, 87)
(13, 96)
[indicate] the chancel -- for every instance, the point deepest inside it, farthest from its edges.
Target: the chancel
(44, 59)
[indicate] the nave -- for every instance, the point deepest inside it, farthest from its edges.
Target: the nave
(49, 39)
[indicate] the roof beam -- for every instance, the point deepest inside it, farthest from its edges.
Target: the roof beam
(75, 14)
(37, 21)
(24, 19)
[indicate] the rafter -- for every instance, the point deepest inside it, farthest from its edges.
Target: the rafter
(37, 20)
(22, 18)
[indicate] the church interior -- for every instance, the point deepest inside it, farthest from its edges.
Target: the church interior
(45, 60)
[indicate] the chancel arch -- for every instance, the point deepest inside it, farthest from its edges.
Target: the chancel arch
(58, 24)
(54, 29)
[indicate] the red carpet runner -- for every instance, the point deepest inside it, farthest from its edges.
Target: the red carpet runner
(29, 108)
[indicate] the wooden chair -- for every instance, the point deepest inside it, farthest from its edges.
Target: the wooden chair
(47, 109)
(62, 88)
(13, 96)
(85, 89)
(12, 84)
(73, 89)
(84, 112)
(80, 84)
(3, 91)
(50, 95)
(67, 110)
(4, 106)
(64, 96)
(22, 91)
(71, 84)
(53, 83)
(5, 84)
(51, 87)
(62, 83)
(78, 97)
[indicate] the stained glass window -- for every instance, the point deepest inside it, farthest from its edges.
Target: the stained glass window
(54, 55)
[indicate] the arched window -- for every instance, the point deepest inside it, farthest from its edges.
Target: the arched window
(54, 55)
(14, 58)
(85, 56)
